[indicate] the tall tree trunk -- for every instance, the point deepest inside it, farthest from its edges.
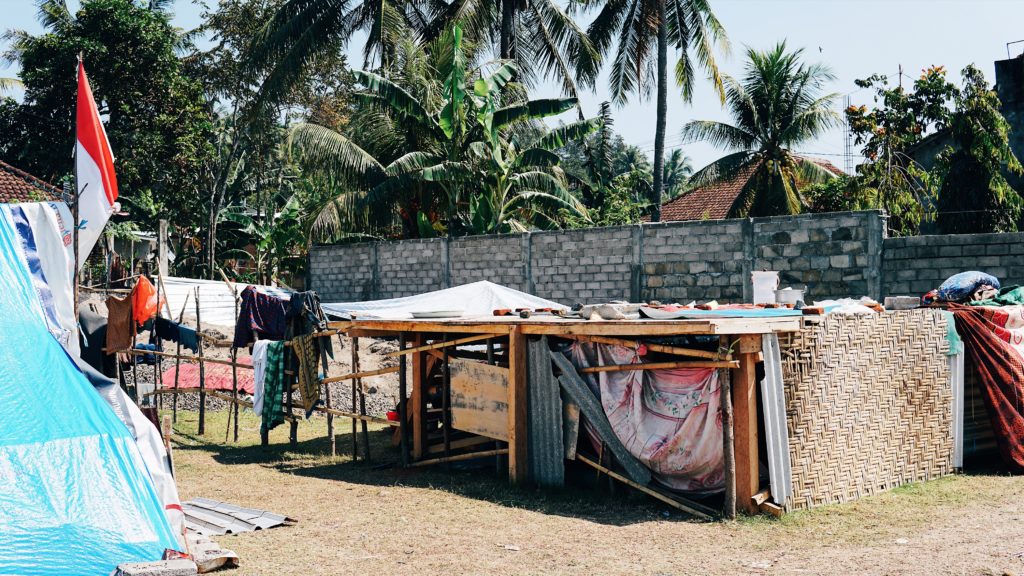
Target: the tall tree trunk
(507, 17)
(662, 112)
(211, 239)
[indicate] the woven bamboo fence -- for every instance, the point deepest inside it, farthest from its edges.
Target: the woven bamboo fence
(868, 404)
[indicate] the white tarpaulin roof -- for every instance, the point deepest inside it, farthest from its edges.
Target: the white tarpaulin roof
(216, 300)
(476, 299)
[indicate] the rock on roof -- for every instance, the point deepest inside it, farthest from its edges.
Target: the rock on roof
(20, 186)
(713, 201)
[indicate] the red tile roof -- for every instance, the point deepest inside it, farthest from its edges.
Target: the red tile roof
(20, 186)
(714, 201)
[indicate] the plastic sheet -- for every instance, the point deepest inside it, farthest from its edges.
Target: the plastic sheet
(75, 497)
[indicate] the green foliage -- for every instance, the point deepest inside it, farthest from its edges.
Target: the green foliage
(777, 106)
(974, 196)
(889, 132)
(156, 116)
(842, 194)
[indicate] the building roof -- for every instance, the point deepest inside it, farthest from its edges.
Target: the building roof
(20, 186)
(714, 201)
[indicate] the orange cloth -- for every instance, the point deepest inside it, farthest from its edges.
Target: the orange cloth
(144, 302)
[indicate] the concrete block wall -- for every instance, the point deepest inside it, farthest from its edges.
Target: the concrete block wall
(701, 260)
(497, 259)
(411, 267)
(917, 264)
(834, 255)
(592, 265)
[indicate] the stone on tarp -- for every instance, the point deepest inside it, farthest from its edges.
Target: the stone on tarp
(178, 567)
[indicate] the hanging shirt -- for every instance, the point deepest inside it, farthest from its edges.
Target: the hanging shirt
(260, 316)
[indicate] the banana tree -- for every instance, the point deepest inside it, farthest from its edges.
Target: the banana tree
(465, 150)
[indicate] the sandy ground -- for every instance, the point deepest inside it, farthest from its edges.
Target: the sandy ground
(359, 518)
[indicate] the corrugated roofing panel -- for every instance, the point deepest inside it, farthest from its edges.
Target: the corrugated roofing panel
(546, 446)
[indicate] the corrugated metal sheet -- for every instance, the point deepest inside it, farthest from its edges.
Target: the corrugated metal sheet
(546, 446)
(214, 518)
(773, 404)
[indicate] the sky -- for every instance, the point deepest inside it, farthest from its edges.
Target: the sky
(856, 38)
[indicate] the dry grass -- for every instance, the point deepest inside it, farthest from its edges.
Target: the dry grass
(359, 518)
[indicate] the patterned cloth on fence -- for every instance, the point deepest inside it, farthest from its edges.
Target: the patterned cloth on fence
(669, 419)
(260, 316)
(994, 338)
(215, 376)
(308, 354)
(274, 384)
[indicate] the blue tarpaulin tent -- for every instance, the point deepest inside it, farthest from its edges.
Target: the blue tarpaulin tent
(75, 497)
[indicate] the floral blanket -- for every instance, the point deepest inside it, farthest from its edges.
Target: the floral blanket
(669, 419)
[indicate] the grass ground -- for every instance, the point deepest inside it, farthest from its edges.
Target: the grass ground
(357, 518)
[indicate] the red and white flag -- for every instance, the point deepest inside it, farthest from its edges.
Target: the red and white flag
(94, 170)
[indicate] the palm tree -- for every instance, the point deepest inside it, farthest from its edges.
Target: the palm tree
(678, 169)
(689, 26)
(538, 35)
(776, 107)
(461, 155)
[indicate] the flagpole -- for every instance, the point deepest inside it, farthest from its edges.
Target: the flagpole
(77, 193)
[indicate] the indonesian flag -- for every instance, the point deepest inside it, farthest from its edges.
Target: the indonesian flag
(94, 170)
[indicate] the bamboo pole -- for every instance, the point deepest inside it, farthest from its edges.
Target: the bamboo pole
(196, 359)
(693, 511)
(202, 370)
(177, 361)
(234, 395)
(361, 375)
(461, 457)
(234, 358)
(728, 447)
(675, 350)
(446, 422)
(437, 345)
(661, 366)
(362, 407)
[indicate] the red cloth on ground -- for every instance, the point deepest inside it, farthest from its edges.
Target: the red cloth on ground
(997, 353)
(217, 376)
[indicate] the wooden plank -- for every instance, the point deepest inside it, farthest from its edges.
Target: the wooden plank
(459, 444)
(660, 366)
(480, 399)
(189, 358)
(517, 398)
(356, 375)
(439, 345)
(664, 349)
(745, 416)
(689, 509)
(461, 457)
(761, 497)
(773, 509)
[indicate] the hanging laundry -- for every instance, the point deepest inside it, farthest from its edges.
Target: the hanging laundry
(144, 301)
(120, 326)
(168, 330)
(305, 316)
(308, 354)
(274, 383)
(260, 316)
(259, 367)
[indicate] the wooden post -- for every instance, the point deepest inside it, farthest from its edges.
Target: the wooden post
(357, 383)
(517, 446)
(234, 393)
(729, 458)
(446, 418)
(202, 369)
(403, 424)
(418, 400)
(366, 431)
(744, 392)
(234, 359)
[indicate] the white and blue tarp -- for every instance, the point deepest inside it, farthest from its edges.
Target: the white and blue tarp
(76, 496)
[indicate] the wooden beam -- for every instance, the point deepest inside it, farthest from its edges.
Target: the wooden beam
(660, 366)
(691, 510)
(665, 349)
(517, 398)
(745, 415)
(355, 375)
(459, 444)
(761, 497)
(356, 417)
(728, 445)
(460, 457)
(189, 358)
(439, 345)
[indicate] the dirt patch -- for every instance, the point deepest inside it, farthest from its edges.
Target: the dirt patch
(358, 519)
